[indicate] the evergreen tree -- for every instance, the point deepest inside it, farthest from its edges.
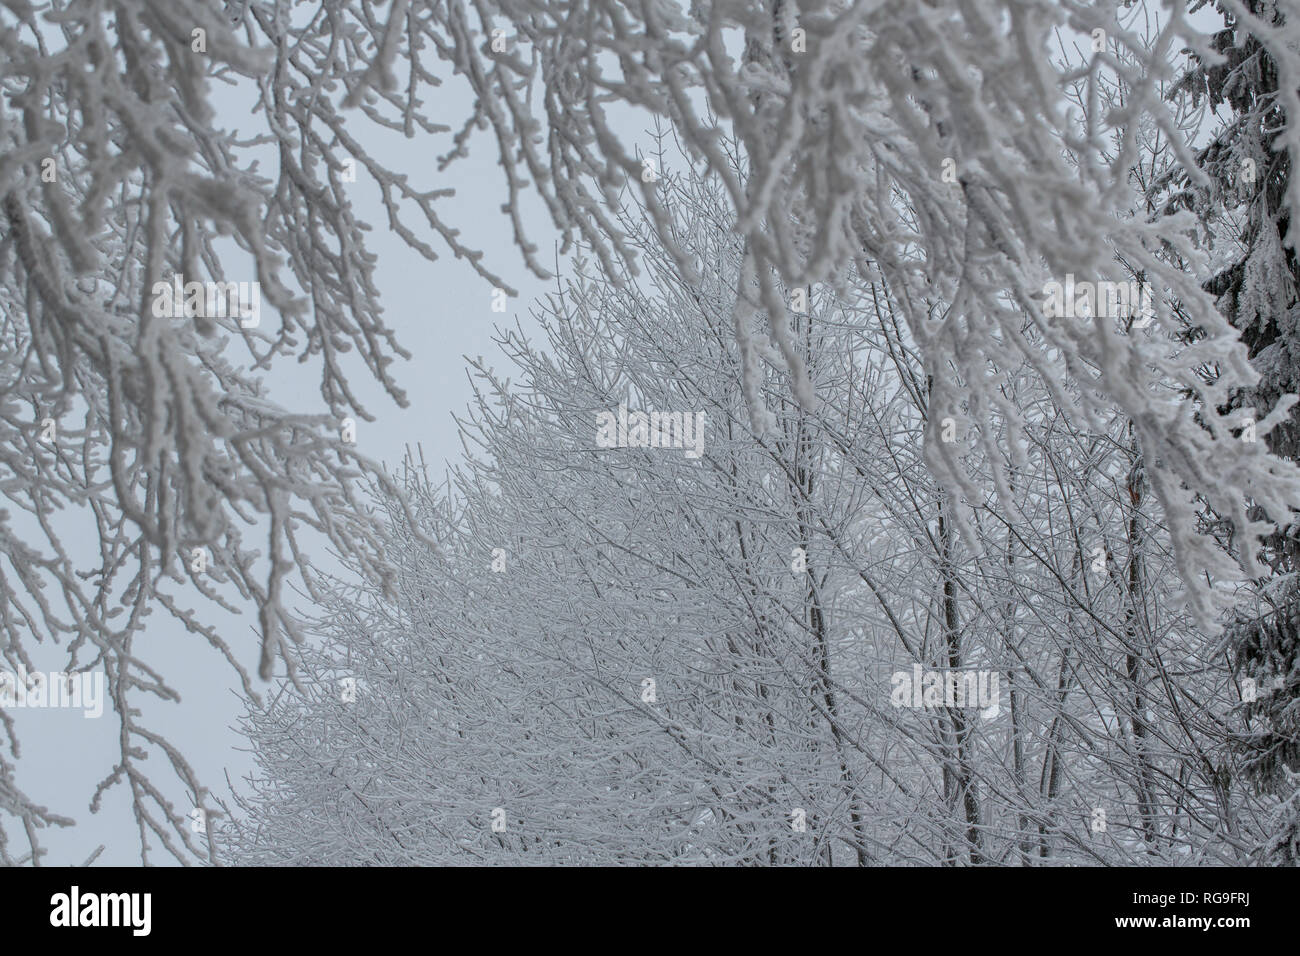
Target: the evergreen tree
(1247, 202)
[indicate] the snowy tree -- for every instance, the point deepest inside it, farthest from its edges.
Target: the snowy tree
(935, 158)
(848, 138)
(1247, 202)
(769, 590)
(930, 143)
(146, 467)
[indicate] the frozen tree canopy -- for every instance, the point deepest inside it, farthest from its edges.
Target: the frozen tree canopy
(965, 333)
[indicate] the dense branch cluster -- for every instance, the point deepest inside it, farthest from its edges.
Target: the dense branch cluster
(629, 656)
(945, 453)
